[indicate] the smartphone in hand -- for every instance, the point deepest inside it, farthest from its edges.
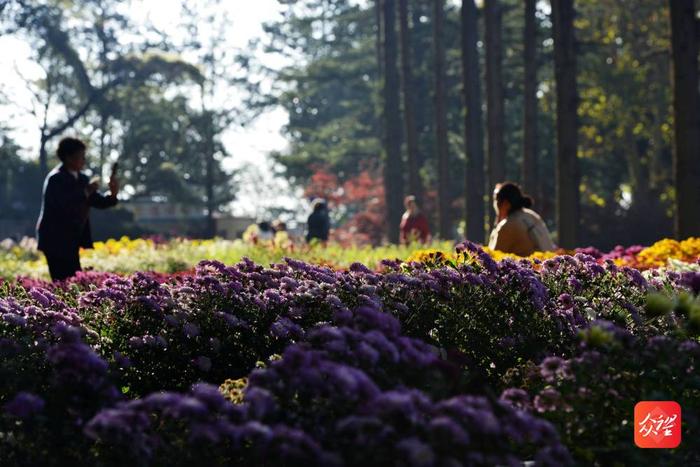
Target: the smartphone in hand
(114, 180)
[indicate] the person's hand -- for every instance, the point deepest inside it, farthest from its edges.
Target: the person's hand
(92, 187)
(114, 186)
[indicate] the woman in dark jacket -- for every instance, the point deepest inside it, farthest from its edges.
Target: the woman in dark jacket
(64, 223)
(319, 223)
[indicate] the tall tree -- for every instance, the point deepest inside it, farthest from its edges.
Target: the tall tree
(529, 168)
(625, 121)
(334, 95)
(686, 106)
(567, 175)
(421, 37)
(209, 164)
(88, 81)
(210, 46)
(379, 50)
(493, 15)
(393, 166)
(473, 126)
(623, 79)
(45, 93)
(444, 221)
(408, 86)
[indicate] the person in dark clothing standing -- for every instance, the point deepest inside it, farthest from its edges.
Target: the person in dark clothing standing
(319, 223)
(64, 222)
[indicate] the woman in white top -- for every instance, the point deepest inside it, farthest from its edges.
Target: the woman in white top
(519, 229)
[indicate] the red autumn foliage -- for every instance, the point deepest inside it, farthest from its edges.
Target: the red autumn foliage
(357, 205)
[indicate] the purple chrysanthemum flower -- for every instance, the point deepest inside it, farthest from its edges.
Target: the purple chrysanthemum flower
(14, 319)
(190, 330)
(24, 405)
(575, 284)
(566, 301)
(516, 397)
(691, 280)
(416, 452)
(40, 297)
(549, 399)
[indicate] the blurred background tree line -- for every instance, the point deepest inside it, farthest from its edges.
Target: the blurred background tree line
(413, 80)
(128, 90)
(440, 99)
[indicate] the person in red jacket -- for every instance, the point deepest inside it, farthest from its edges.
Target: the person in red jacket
(414, 225)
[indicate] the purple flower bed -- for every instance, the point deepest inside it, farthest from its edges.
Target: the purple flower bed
(595, 392)
(401, 366)
(347, 396)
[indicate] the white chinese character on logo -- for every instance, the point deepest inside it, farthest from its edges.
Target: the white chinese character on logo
(650, 425)
(668, 424)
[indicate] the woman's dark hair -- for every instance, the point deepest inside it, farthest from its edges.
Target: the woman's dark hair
(69, 146)
(512, 193)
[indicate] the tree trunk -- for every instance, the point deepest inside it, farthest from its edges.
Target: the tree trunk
(209, 163)
(378, 92)
(494, 92)
(686, 113)
(422, 84)
(393, 170)
(414, 182)
(103, 143)
(5, 185)
(567, 176)
(43, 157)
(473, 126)
(529, 173)
(380, 51)
(104, 66)
(642, 197)
(211, 206)
(444, 224)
